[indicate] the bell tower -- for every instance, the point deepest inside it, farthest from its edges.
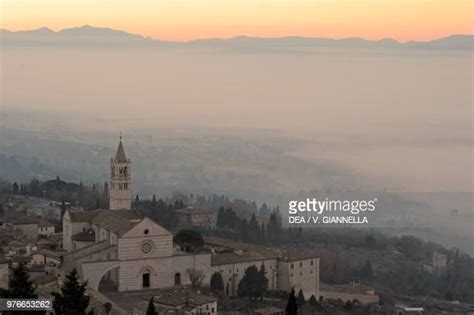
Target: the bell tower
(120, 180)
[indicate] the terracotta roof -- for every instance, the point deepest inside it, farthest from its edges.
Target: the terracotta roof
(84, 236)
(120, 156)
(182, 296)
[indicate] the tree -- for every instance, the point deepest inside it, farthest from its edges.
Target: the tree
(107, 308)
(217, 283)
(300, 300)
(196, 277)
(253, 284)
(262, 284)
(151, 308)
(292, 305)
(189, 239)
(19, 285)
(15, 188)
(72, 299)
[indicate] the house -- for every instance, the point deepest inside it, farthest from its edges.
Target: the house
(186, 301)
(200, 217)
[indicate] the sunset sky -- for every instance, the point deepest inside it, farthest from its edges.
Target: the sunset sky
(190, 19)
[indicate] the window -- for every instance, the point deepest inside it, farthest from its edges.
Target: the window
(312, 262)
(146, 280)
(292, 266)
(146, 232)
(301, 264)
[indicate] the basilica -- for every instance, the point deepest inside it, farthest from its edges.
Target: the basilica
(118, 245)
(118, 248)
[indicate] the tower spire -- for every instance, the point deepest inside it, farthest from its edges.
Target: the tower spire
(121, 180)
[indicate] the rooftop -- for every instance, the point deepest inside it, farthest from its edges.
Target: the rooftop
(239, 256)
(182, 296)
(84, 236)
(120, 156)
(116, 221)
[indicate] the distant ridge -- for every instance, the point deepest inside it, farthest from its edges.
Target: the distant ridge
(98, 36)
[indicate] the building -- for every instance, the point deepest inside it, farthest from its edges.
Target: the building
(119, 248)
(349, 292)
(201, 217)
(285, 269)
(181, 300)
(120, 180)
(45, 228)
(28, 225)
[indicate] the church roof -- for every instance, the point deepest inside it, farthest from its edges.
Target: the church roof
(113, 222)
(120, 156)
(84, 236)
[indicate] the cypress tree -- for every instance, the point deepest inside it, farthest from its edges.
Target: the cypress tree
(19, 285)
(72, 299)
(217, 283)
(291, 306)
(151, 308)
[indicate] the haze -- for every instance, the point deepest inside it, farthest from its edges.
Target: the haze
(404, 119)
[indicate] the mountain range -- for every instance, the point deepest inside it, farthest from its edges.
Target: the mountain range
(95, 36)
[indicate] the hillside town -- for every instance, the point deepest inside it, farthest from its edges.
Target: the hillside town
(184, 256)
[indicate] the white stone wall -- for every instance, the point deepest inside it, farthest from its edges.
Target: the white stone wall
(130, 245)
(301, 275)
(160, 270)
(46, 230)
(183, 263)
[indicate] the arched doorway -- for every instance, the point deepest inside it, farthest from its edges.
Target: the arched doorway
(109, 281)
(177, 279)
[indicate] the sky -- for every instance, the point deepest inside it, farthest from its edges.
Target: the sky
(183, 20)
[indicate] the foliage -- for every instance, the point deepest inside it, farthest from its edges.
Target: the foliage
(157, 210)
(107, 308)
(189, 239)
(196, 277)
(292, 305)
(151, 308)
(72, 299)
(300, 299)
(217, 283)
(19, 285)
(253, 284)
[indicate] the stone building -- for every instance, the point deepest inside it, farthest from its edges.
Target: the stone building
(120, 248)
(201, 217)
(285, 270)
